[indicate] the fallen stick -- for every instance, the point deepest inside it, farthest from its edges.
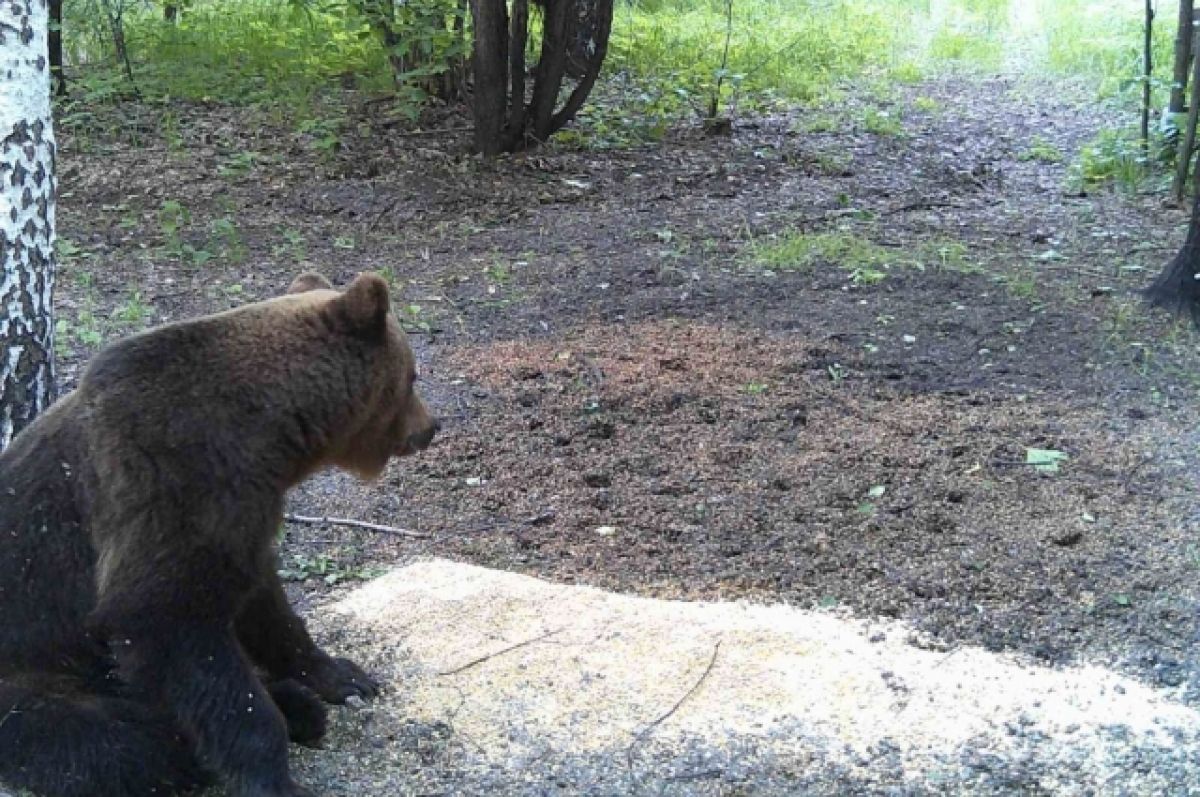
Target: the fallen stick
(501, 652)
(644, 733)
(358, 524)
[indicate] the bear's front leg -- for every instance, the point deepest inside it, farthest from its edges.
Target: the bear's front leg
(173, 640)
(276, 640)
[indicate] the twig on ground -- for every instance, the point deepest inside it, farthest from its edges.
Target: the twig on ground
(358, 524)
(921, 204)
(644, 733)
(388, 208)
(500, 652)
(431, 131)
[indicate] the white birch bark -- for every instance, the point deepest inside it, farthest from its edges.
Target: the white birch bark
(27, 194)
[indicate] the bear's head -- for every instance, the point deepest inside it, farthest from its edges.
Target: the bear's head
(391, 420)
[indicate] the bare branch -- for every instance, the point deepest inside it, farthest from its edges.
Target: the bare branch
(358, 524)
(644, 733)
(500, 652)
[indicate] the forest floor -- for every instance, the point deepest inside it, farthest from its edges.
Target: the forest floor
(806, 363)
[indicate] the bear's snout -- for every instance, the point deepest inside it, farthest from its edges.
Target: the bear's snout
(420, 441)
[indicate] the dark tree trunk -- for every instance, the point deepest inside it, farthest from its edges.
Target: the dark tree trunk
(574, 34)
(1183, 55)
(1147, 73)
(551, 66)
(597, 48)
(518, 35)
(582, 36)
(55, 47)
(488, 62)
(1178, 286)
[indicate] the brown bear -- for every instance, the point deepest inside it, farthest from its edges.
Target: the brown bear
(146, 644)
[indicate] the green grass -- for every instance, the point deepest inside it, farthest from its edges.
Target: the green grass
(803, 49)
(1112, 157)
(797, 251)
(793, 49)
(1104, 41)
(881, 123)
(868, 263)
(1040, 149)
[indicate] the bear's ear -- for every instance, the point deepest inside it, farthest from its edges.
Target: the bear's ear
(309, 281)
(365, 305)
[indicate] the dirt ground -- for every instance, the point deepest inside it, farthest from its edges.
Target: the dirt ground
(633, 401)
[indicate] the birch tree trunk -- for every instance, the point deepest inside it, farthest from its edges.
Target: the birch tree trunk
(27, 193)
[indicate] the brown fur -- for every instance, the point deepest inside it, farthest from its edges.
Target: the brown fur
(138, 516)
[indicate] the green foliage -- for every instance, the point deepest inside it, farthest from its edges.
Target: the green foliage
(133, 313)
(881, 123)
(927, 105)
(296, 58)
(792, 250)
(1041, 150)
(1113, 157)
(868, 263)
(791, 48)
(1104, 41)
(325, 568)
(293, 245)
(227, 240)
(969, 34)
(245, 51)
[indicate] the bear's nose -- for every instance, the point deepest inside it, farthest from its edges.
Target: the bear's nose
(421, 440)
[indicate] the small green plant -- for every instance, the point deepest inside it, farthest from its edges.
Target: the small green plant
(134, 312)
(87, 329)
(1113, 157)
(867, 276)
(227, 240)
(62, 334)
(173, 217)
(324, 136)
(66, 250)
(84, 330)
(344, 242)
(293, 246)
(169, 128)
(824, 162)
(1022, 283)
(325, 568)
(881, 123)
(837, 373)
(755, 388)
(500, 274)
(412, 318)
(927, 105)
(1041, 150)
(389, 276)
(946, 254)
(907, 72)
(817, 123)
(238, 165)
(792, 250)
